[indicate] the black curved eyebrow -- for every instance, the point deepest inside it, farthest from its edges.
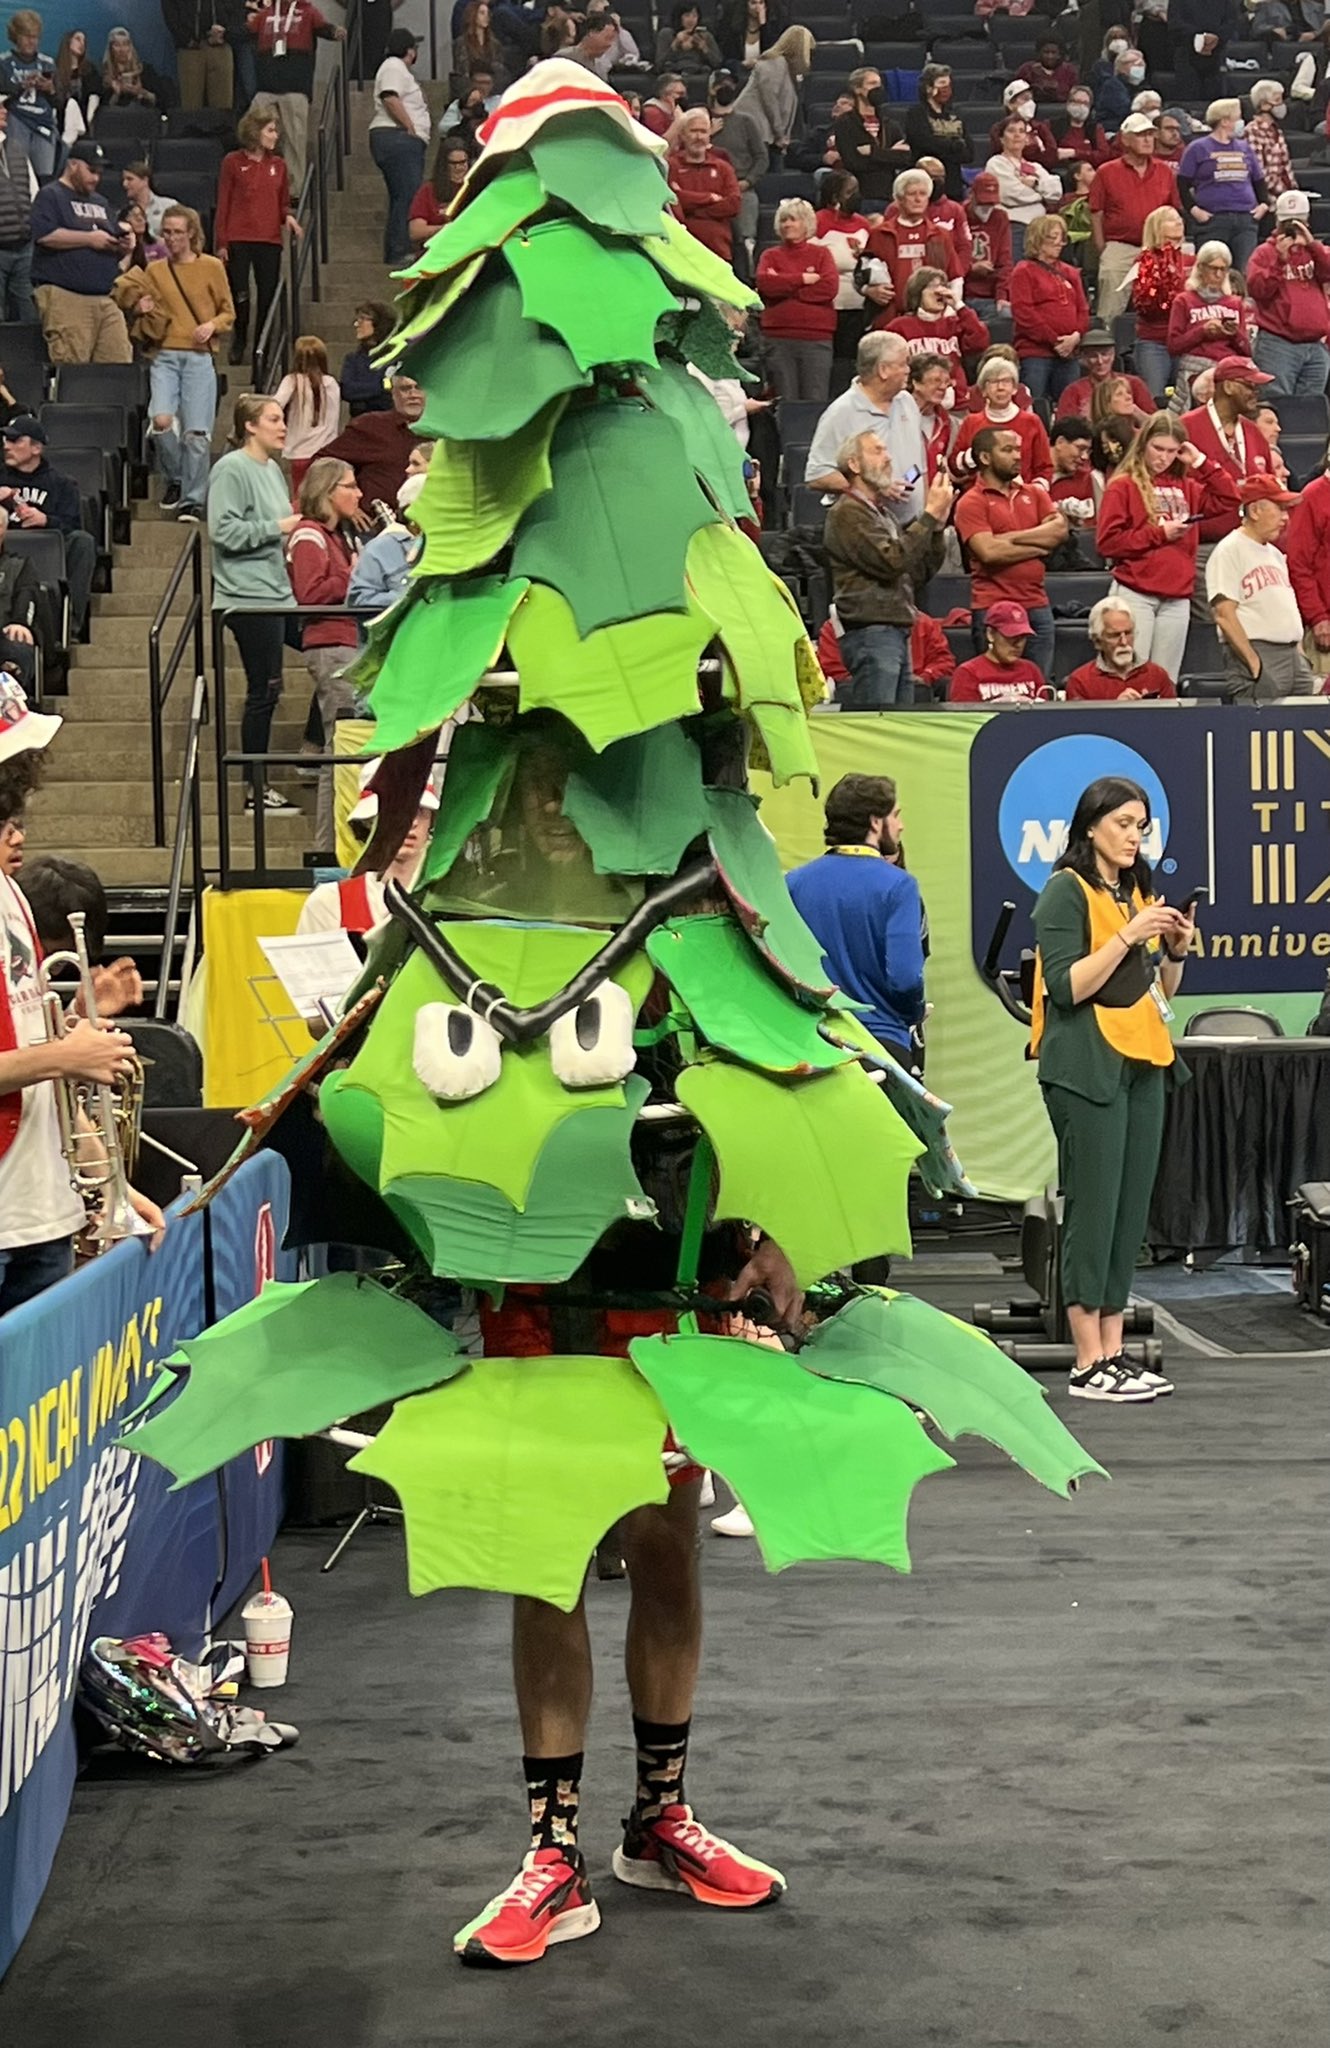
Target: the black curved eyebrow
(516, 1026)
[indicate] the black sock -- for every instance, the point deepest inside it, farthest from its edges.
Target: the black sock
(554, 1787)
(662, 1751)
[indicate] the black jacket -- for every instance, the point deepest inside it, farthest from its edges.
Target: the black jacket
(732, 22)
(874, 159)
(18, 592)
(943, 136)
(55, 495)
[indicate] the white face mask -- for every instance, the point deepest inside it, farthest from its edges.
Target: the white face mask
(1077, 111)
(1135, 73)
(1117, 47)
(1239, 129)
(1278, 110)
(1025, 108)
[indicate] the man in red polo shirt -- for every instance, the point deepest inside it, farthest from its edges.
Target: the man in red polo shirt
(1124, 192)
(1115, 675)
(1008, 529)
(1001, 674)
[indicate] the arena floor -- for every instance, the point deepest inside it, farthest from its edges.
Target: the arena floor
(1065, 1787)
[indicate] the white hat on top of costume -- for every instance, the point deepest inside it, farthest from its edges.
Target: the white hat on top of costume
(556, 86)
(367, 806)
(22, 731)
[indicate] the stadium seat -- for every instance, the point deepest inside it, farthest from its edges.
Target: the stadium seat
(1303, 416)
(806, 510)
(22, 341)
(127, 124)
(774, 186)
(971, 59)
(797, 418)
(197, 189)
(175, 153)
(1070, 595)
(106, 426)
(123, 384)
(1071, 648)
(203, 121)
(1304, 454)
(29, 382)
(840, 57)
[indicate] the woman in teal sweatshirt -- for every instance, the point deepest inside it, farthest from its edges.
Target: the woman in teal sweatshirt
(249, 517)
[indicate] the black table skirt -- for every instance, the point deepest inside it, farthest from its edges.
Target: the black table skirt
(1240, 1139)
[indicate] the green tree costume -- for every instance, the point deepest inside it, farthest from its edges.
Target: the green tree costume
(599, 896)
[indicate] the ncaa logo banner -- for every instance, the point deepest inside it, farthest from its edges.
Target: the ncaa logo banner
(1239, 806)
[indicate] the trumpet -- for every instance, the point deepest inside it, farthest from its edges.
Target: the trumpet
(99, 1124)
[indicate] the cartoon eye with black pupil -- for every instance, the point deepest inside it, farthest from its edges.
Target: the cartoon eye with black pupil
(455, 1054)
(592, 1046)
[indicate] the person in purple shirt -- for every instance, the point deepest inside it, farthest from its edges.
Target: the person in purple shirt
(1222, 185)
(866, 912)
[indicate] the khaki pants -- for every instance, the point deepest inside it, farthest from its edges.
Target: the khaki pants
(1114, 263)
(336, 699)
(293, 116)
(82, 329)
(206, 76)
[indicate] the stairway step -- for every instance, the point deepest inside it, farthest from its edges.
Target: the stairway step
(136, 603)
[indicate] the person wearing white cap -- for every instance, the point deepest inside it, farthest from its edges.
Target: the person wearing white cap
(1287, 278)
(1041, 145)
(1251, 594)
(40, 1213)
(1125, 192)
(356, 904)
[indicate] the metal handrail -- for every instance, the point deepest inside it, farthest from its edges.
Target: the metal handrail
(189, 819)
(162, 677)
(309, 250)
(226, 759)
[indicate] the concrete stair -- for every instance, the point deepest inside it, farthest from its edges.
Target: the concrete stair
(96, 800)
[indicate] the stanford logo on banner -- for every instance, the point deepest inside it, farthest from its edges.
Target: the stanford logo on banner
(1240, 807)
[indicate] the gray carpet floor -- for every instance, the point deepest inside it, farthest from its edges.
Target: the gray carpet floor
(1064, 1787)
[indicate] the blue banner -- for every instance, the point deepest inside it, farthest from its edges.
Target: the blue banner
(1238, 801)
(92, 1542)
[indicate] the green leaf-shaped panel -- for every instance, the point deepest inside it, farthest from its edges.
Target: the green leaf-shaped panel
(510, 1476)
(601, 298)
(821, 1478)
(439, 652)
(619, 680)
(476, 492)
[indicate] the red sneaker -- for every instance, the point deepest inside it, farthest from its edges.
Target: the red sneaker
(675, 1853)
(549, 1900)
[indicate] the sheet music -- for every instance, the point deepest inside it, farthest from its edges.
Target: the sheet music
(316, 970)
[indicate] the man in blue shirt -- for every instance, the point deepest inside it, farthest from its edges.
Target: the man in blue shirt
(866, 912)
(76, 262)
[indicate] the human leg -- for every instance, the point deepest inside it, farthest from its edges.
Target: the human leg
(18, 657)
(29, 1269)
(218, 75)
(1280, 360)
(239, 264)
(1114, 263)
(1169, 644)
(110, 341)
(1036, 372)
(16, 300)
(260, 642)
(877, 658)
(1042, 642)
(665, 1848)
(164, 405)
(814, 370)
(197, 411)
(401, 162)
(80, 563)
(1313, 366)
(293, 113)
(1239, 232)
(189, 68)
(1142, 611)
(1154, 366)
(266, 263)
(782, 368)
(334, 697)
(1092, 1140)
(68, 325)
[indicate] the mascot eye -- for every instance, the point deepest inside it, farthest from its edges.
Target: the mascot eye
(593, 1044)
(455, 1053)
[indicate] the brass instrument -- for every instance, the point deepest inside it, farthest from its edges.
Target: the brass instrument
(99, 1123)
(385, 514)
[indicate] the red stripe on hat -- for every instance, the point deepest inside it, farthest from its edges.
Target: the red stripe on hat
(566, 96)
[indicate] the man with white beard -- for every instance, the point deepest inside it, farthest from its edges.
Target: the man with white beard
(1115, 674)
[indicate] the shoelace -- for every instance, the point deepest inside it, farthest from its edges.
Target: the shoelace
(692, 1835)
(526, 1887)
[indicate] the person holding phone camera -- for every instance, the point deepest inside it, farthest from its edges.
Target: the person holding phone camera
(1110, 958)
(1287, 278)
(876, 568)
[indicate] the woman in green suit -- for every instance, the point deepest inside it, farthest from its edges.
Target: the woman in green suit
(1110, 956)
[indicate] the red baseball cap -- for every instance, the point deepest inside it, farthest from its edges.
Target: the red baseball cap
(985, 188)
(1253, 489)
(1239, 370)
(1011, 620)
